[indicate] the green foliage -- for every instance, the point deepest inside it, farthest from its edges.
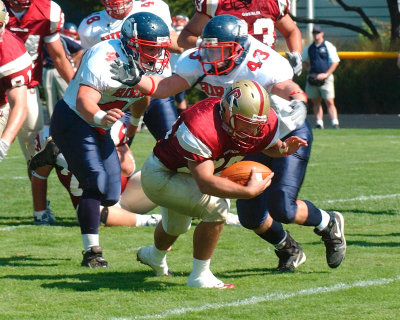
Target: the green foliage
(349, 171)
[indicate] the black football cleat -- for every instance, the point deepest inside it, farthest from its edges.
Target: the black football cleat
(291, 255)
(94, 258)
(45, 157)
(333, 237)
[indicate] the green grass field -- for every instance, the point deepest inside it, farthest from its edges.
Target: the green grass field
(355, 171)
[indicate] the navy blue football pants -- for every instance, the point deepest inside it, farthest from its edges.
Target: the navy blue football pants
(160, 116)
(92, 158)
(279, 199)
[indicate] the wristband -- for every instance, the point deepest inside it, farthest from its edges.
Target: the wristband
(153, 87)
(298, 92)
(99, 116)
(283, 150)
(135, 121)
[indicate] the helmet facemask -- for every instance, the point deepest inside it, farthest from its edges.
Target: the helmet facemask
(20, 4)
(152, 56)
(117, 9)
(218, 57)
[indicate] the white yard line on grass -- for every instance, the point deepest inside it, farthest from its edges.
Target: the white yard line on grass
(266, 298)
(362, 198)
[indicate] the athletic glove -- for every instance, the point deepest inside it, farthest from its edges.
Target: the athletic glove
(298, 113)
(4, 146)
(295, 61)
(127, 74)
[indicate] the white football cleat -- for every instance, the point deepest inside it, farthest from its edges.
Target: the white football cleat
(207, 280)
(160, 268)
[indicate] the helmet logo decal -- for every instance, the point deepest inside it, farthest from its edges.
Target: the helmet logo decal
(233, 96)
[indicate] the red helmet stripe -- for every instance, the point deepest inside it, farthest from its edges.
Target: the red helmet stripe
(261, 109)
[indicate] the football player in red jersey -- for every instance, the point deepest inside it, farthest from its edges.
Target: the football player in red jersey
(180, 174)
(226, 54)
(38, 23)
(262, 18)
(16, 72)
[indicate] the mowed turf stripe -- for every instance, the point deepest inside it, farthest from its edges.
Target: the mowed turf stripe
(266, 298)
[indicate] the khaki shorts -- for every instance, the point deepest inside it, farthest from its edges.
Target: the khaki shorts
(326, 91)
(180, 197)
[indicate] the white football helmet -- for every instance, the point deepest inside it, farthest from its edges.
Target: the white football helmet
(244, 110)
(117, 9)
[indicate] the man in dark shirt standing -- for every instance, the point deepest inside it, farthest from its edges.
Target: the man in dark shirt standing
(321, 59)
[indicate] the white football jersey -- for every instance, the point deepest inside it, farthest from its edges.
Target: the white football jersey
(262, 64)
(94, 71)
(99, 26)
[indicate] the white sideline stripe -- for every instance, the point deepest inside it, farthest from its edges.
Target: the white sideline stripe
(13, 227)
(14, 178)
(267, 297)
(362, 198)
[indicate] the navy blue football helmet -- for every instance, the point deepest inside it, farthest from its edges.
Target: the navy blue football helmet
(145, 37)
(224, 43)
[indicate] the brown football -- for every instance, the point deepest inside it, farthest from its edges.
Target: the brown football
(239, 172)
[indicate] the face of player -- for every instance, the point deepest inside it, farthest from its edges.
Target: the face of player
(20, 5)
(118, 9)
(217, 56)
(245, 128)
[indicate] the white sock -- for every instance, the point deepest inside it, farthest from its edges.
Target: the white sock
(335, 122)
(141, 219)
(90, 240)
(38, 214)
(200, 266)
(325, 220)
(159, 255)
(320, 123)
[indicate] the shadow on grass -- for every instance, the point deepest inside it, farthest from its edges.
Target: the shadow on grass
(28, 221)
(139, 281)
(29, 261)
(372, 212)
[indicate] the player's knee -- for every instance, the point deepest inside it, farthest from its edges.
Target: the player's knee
(250, 220)
(216, 209)
(282, 209)
(250, 216)
(96, 183)
(174, 224)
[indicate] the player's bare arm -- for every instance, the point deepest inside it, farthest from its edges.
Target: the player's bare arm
(203, 173)
(285, 148)
(174, 47)
(137, 110)
(60, 60)
(87, 104)
(162, 87)
(190, 33)
(288, 29)
(289, 90)
(18, 110)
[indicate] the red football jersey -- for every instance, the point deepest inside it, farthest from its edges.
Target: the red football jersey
(43, 18)
(15, 65)
(198, 135)
(260, 15)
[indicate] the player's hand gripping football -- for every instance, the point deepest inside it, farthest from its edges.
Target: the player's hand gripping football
(257, 186)
(127, 74)
(291, 145)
